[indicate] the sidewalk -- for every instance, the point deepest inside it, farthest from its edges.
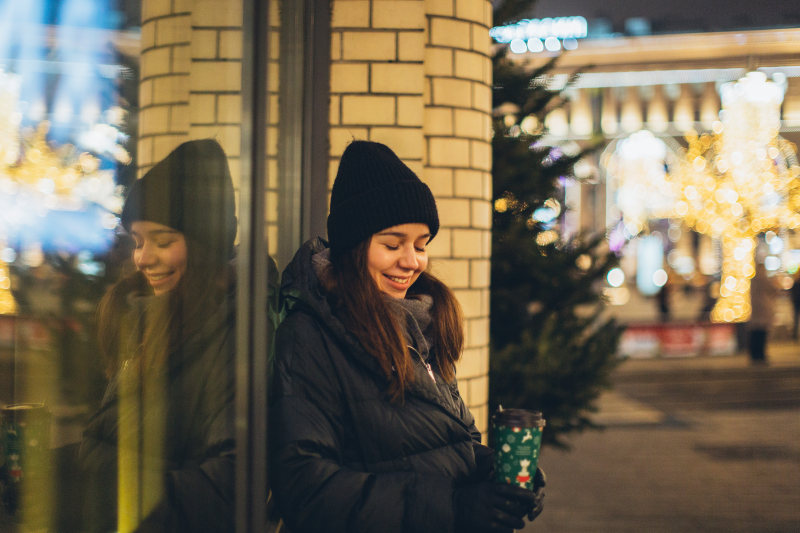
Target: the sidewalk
(689, 445)
(618, 409)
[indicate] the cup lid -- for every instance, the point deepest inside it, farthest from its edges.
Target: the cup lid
(519, 417)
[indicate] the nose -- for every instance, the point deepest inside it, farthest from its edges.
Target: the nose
(409, 259)
(144, 257)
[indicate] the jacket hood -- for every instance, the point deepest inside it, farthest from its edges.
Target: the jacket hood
(301, 290)
(300, 285)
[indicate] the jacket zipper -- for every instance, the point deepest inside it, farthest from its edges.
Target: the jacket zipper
(424, 362)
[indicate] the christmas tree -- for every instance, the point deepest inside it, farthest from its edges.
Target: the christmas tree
(552, 348)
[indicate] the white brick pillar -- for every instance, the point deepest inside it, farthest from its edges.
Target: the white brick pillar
(458, 163)
(416, 75)
(190, 77)
(164, 87)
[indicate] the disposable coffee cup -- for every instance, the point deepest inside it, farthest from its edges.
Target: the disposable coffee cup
(25, 432)
(517, 439)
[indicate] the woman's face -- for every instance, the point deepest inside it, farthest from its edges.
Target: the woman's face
(160, 254)
(396, 256)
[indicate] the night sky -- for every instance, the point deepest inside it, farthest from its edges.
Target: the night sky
(680, 15)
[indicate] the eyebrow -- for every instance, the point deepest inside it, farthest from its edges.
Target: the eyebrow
(400, 234)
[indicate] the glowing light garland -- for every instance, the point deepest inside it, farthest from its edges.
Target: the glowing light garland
(739, 181)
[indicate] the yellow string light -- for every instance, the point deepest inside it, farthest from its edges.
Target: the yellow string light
(741, 180)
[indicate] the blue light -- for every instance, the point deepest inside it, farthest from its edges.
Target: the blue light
(649, 259)
(535, 45)
(518, 46)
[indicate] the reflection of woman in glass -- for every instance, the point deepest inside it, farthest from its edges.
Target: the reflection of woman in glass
(369, 432)
(159, 453)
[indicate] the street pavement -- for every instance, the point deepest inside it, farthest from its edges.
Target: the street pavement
(706, 444)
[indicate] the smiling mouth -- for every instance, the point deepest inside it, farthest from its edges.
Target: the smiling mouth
(401, 281)
(158, 277)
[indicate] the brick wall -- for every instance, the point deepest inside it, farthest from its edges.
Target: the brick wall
(413, 74)
(416, 75)
(190, 77)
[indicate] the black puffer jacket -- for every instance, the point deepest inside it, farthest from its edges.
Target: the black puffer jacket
(194, 402)
(344, 458)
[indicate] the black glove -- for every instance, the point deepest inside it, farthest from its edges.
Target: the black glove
(489, 507)
(484, 463)
(539, 481)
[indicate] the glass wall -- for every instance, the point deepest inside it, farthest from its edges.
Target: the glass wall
(140, 185)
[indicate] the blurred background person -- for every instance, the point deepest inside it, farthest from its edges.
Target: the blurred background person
(763, 294)
(794, 294)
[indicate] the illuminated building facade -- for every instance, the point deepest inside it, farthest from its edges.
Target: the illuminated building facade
(640, 95)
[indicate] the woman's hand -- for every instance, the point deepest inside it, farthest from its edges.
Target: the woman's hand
(539, 482)
(490, 507)
(484, 463)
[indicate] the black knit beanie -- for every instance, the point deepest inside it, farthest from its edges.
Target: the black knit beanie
(191, 191)
(375, 190)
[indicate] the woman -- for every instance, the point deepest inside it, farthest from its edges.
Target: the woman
(158, 455)
(369, 432)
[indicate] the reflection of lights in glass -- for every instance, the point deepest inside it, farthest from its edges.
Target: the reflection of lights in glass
(109, 221)
(535, 45)
(33, 256)
(649, 259)
(792, 261)
(773, 152)
(584, 261)
(37, 110)
(546, 237)
(46, 186)
(548, 212)
(583, 169)
(62, 112)
(615, 277)
(617, 295)
(617, 238)
(552, 44)
(776, 246)
(570, 43)
(51, 199)
(8, 255)
(530, 124)
(638, 166)
(660, 277)
(544, 215)
(674, 233)
(90, 112)
(682, 264)
(518, 46)
(772, 262)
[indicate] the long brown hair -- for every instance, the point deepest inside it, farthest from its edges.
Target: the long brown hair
(166, 322)
(367, 315)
